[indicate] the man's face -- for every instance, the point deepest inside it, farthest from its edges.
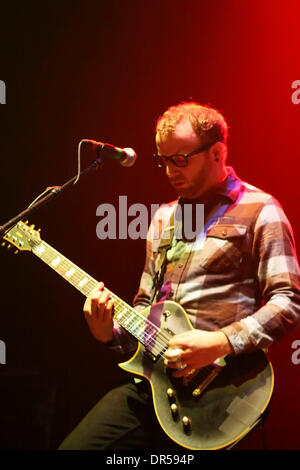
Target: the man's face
(200, 174)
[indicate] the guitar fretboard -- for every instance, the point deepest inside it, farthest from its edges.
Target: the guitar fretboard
(132, 321)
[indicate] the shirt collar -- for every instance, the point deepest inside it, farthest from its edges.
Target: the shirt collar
(231, 186)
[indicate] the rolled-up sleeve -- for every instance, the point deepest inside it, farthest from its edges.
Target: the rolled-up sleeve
(278, 279)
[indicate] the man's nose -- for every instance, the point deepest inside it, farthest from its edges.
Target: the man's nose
(172, 170)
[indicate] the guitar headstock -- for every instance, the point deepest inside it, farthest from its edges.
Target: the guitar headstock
(22, 236)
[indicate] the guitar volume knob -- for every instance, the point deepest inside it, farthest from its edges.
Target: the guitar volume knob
(186, 421)
(174, 410)
(171, 394)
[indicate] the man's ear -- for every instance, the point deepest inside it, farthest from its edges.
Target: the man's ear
(219, 151)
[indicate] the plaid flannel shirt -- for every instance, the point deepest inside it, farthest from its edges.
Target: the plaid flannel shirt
(239, 275)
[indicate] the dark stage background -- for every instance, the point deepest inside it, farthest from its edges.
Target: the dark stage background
(105, 70)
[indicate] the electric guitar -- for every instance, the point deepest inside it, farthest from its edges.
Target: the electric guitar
(209, 408)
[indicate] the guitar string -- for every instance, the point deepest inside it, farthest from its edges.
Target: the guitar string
(48, 258)
(160, 337)
(35, 243)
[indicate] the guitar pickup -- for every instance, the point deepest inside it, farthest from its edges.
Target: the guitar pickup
(154, 358)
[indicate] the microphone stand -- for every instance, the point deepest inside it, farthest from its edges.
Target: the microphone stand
(53, 193)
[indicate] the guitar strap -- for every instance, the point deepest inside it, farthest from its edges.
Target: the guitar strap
(161, 260)
(214, 214)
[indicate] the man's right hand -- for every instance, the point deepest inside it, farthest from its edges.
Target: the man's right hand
(98, 311)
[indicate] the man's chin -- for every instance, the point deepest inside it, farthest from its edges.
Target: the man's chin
(186, 193)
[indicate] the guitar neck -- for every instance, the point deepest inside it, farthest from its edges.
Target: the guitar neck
(131, 320)
(65, 268)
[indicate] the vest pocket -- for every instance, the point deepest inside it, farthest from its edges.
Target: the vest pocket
(223, 248)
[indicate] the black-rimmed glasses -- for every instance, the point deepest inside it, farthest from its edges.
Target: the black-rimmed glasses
(178, 159)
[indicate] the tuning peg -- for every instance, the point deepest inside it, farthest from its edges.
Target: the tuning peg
(16, 252)
(9, 246)
(3, 243)
(32, 226)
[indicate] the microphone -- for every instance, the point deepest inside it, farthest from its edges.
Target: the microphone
(126, 157)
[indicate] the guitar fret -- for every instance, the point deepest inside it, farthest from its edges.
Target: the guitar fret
(70, 272)
(139, 325)
(137, 329)
(63, 265)
(90, 285)
(56, 261)
(134, 323)
(151, 329)
(120, 316)
(126, 322)
(40, 249)
(82, 281)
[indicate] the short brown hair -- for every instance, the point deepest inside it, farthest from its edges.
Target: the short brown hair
(207, 122)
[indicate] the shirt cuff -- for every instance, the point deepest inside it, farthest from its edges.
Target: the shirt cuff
(238, 337)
